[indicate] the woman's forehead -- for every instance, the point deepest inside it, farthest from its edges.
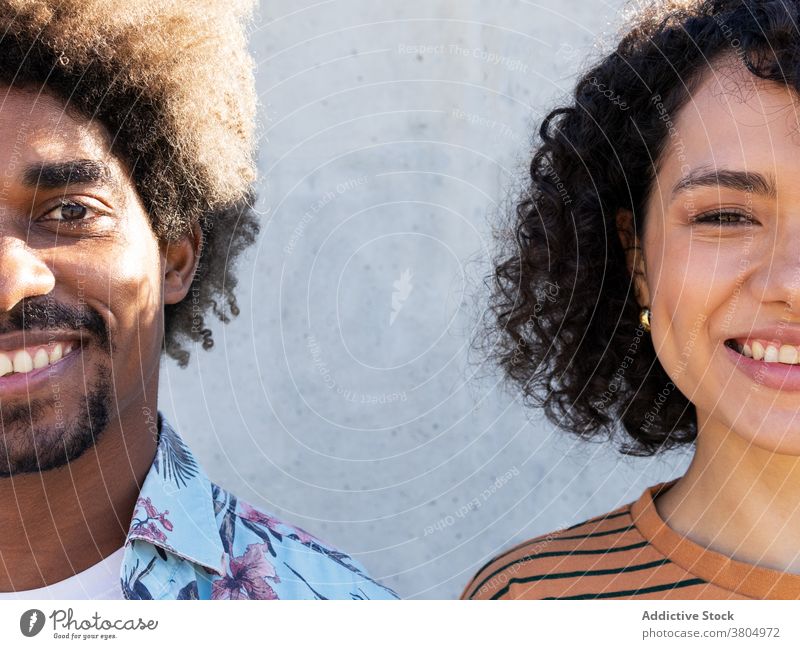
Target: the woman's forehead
(733, 120)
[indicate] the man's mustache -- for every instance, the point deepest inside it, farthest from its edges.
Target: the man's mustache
(44, 313)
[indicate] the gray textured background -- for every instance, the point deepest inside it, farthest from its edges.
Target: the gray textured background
(391, 133)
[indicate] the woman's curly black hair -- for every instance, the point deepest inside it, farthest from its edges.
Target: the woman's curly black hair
(172, 82)
(563, 320)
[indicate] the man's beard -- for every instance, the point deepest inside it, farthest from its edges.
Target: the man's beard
(26, 444)
(26, 447)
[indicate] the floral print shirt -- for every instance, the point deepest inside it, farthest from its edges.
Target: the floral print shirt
(191, 539)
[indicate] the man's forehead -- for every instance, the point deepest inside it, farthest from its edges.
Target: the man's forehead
(36, 127)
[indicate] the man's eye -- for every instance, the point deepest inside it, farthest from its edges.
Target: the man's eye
(68, 211)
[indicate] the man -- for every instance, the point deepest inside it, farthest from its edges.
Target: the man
(126, 193)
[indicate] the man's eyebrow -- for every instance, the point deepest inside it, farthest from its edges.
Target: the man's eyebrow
(54, 175)
(743, 181)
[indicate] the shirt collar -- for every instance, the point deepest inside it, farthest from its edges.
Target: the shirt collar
(175, 508)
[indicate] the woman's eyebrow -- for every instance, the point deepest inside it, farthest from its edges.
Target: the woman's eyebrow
(740, 180)
(54, 175)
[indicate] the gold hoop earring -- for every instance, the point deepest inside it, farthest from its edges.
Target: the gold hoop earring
(644, 318)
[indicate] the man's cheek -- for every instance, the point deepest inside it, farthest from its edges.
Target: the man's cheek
(135, 310)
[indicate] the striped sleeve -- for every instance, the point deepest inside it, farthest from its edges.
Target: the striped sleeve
(603, 557)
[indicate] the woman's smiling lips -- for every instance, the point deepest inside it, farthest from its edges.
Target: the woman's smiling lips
(31, 359)
(769, 372)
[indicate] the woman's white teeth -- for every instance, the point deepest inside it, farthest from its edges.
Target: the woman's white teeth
(23, 361)
(788, 354)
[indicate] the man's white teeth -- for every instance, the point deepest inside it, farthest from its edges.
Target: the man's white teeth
(41, 359)
(788, 354)
(22, 361)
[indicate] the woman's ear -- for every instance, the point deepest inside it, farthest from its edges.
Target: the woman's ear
(634, 255)
(180, 264)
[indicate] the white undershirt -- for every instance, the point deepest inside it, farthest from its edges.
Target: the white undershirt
(100, 581)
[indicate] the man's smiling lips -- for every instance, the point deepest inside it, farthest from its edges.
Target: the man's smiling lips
(32, 357)
(27, 359)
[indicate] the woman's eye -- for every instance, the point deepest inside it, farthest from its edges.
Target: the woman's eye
(724, 218)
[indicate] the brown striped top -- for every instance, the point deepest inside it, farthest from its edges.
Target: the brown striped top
(629, 553)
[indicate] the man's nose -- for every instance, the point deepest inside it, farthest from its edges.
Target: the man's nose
(23, 274)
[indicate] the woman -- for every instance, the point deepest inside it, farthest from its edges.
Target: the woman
(667, 196)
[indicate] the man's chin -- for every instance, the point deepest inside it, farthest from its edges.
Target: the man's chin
(40, 435)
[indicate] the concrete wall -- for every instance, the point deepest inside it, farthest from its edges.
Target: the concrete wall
(345, 398)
